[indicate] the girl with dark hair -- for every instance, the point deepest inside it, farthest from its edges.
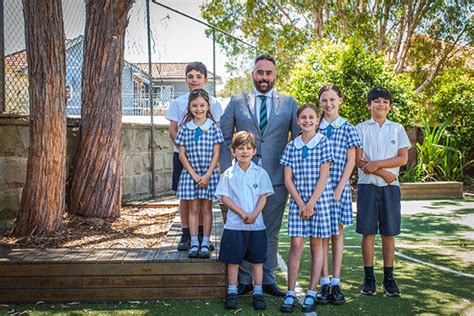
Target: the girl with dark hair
(199, 140)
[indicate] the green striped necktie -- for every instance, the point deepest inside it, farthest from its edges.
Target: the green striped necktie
(263, 113)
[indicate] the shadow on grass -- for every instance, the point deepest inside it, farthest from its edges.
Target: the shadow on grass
(424, 289)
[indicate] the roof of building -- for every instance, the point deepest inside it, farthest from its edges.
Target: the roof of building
(171, 71)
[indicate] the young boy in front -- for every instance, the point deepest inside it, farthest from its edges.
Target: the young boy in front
(244, 188)
(384, 149)
(196, 78)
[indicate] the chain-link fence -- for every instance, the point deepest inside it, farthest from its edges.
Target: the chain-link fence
(176, 39)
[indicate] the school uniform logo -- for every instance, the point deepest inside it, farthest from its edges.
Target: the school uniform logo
(255, 186)
(393, 141)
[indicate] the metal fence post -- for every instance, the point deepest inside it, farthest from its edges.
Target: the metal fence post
(214, 58)
(2, 61)
(150, 75)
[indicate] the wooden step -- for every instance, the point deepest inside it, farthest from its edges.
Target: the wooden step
(62, 275)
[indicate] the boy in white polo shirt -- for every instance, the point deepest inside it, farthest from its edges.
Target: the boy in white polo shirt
(196, 78)
(244, 188)
(384, 149)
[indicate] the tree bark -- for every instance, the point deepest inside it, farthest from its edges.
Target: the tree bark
(96, 174)
(43, 197)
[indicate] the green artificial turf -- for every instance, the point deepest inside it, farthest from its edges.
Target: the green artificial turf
(443, 239)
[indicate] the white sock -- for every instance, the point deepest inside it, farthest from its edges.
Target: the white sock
(335, 281)
(325, 280)
(205, 241)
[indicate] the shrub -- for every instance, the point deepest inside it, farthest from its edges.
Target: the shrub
(355, 70)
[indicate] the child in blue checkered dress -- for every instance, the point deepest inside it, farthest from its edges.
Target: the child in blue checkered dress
(307, 160)
(344, 140)
(199, 140)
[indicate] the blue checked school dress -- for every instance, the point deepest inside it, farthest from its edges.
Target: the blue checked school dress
(199, 143)
(342, 136)
(305, 160)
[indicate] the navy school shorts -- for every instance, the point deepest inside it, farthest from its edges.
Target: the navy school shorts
(240, 245)
(378, 210)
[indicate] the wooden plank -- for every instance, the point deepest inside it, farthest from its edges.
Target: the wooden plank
(119, 255)
(82, 255)
(51, 255)
(432, 185)
(15, 255)
(56, 269)
(106, 255)
(126, 281)
(144, 254)
(33, 254)
(64, 295)
(131, 255)
(94, 256)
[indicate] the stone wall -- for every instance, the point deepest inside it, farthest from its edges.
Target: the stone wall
(136, 162)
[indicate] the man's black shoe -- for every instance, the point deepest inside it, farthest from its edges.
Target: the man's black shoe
(184, 243)
(211, 246)
(337, 298)
(243, 289)
(230, 301)
(390, 288)
(273, 289)
(258, 302)
(369, 285)
(323, 295)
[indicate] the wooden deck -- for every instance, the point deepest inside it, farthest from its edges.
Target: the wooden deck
(61, 275)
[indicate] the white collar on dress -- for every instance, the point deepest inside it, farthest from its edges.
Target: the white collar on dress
(298, 142)
(204, 127)
(336, 123)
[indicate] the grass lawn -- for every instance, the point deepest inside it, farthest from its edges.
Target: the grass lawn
(440, 233)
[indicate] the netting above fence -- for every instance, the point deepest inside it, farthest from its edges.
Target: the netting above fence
(175, 40)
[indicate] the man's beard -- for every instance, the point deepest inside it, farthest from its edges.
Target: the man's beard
(267, 88)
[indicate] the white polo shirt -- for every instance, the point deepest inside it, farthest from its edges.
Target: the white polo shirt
(244, 188)
(179, 107)
(379, 143)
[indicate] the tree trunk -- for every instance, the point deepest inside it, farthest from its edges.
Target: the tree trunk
(96, 174)
(43, 196)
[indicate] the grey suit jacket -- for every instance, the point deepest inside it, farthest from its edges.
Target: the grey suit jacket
(240, 115)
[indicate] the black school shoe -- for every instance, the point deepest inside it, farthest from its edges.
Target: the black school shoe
(184, 243)
(324, 294)
(258, 302)
(309, 308)
(336, 298)
(390, 288)
(369, 286)
(288, 308)
(230, 301)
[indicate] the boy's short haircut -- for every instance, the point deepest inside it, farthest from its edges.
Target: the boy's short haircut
(379, 92)
(198, 66)
(265, 57)
(243, 138)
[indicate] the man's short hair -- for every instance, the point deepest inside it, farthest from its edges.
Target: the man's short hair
(265, 57)
(243, 138)
(379, 92)
(198, 66)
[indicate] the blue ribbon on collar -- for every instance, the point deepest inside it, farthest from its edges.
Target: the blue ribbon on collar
(198, 133)
(329, 130)
(305, 151)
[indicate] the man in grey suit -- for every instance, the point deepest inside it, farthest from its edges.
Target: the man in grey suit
(270, 116)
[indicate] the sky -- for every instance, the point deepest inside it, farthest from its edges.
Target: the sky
(174, 38)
